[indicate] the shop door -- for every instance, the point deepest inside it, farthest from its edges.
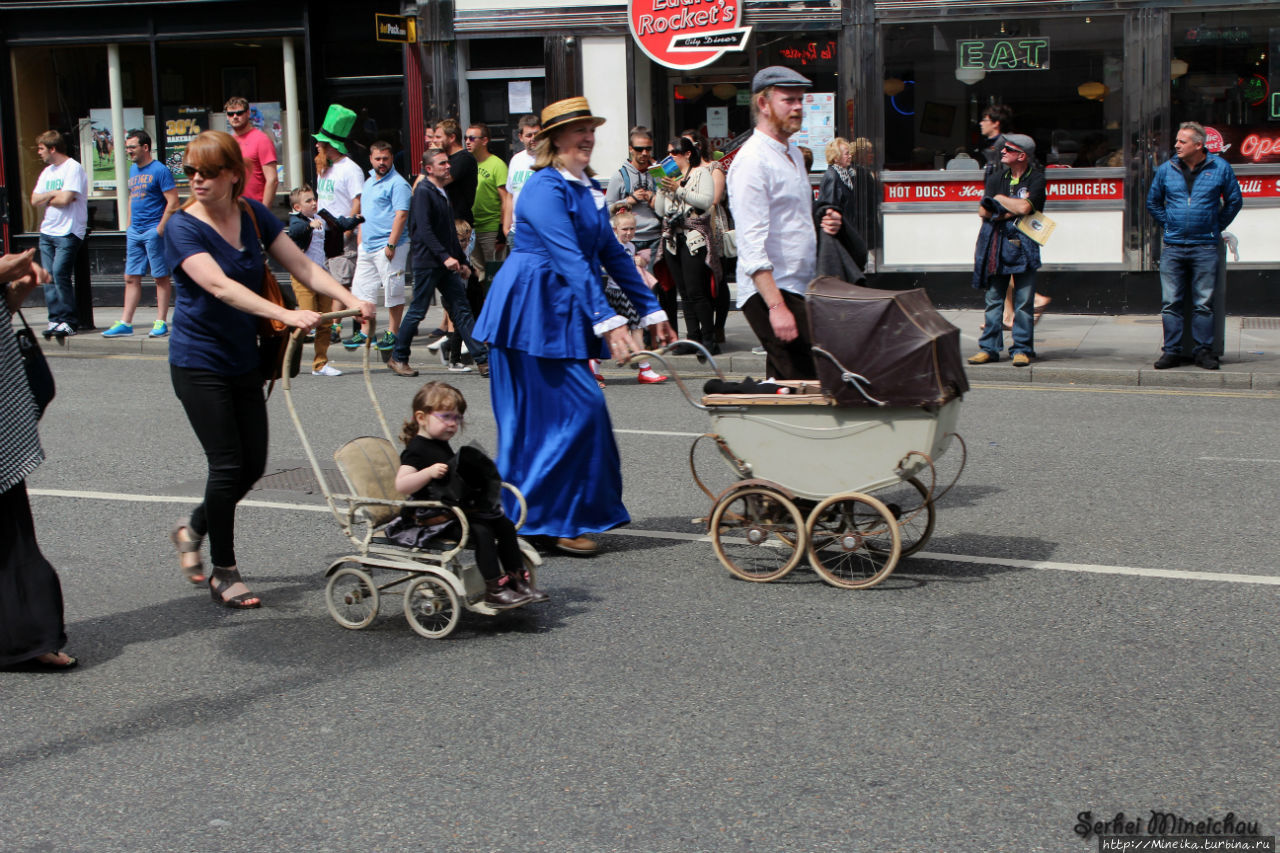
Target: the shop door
(717, 106)
(380, 115)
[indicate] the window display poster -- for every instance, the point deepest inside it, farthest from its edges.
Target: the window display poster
(267, 117)
(819, 126)
(97, 147)
(181, 125)
(520, 96)
(717, 121)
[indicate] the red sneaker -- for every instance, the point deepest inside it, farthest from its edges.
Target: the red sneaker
(649, 377)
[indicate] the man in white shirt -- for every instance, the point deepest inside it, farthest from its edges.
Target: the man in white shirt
(339, 184)
(63, 191)
(519, 170)
(772, 204)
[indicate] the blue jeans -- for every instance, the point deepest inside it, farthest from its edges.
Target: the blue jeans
(453, 294)
(1024, 294)
(58, 256)
(1196, 267)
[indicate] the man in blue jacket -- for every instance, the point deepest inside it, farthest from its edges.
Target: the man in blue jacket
(438, 261)
(1194, 196)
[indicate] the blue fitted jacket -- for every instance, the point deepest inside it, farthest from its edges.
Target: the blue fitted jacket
(1198, 215)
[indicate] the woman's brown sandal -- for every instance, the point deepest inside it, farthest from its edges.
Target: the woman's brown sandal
(194, 573)
(224, 579)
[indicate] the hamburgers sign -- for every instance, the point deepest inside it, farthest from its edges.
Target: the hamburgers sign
(687, 33)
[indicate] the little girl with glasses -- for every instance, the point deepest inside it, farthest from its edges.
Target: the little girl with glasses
(430, 471)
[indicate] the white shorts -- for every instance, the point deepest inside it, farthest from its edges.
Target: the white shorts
(374, 271)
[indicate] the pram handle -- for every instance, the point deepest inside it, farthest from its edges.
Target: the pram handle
(849, 377)
(658, 356)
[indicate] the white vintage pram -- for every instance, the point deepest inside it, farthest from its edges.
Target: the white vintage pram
(809, 462)
(441, 584)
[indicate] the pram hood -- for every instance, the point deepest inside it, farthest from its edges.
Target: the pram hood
(907, 351)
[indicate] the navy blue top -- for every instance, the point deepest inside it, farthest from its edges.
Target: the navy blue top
(207, 333)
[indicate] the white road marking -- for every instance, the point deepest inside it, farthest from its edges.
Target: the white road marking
(1234, 459)
(655, 432)
(679, 536)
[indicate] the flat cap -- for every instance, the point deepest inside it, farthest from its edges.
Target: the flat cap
(778, 75)
(1022, 142)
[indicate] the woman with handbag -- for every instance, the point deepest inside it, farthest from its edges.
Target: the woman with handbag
(215, 246)
(684, 205)
(31, 625)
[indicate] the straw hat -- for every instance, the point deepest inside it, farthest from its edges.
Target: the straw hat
(566, 112)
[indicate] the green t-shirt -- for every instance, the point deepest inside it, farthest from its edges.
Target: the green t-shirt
(487, 208)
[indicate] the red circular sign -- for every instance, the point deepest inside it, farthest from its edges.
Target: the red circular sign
(685, 34)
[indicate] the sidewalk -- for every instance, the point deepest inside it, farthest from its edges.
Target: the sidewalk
(1073, 349)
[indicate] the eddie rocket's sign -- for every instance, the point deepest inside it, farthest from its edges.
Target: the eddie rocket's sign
(687, 33)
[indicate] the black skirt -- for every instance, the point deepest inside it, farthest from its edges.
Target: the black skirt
(30, 594)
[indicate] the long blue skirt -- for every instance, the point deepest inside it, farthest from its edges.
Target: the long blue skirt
(555, 444)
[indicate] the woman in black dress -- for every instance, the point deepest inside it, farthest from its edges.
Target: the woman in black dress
(31, 626)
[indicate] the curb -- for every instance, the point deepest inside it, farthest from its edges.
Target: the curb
(748, 364)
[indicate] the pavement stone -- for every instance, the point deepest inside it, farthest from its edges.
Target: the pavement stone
(1072, 349)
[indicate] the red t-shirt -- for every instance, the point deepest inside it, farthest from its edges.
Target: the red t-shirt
(258, 153)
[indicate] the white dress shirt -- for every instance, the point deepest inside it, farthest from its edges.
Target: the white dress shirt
(772, 204)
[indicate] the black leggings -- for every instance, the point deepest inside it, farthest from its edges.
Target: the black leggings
(229, 416)
(495, 542)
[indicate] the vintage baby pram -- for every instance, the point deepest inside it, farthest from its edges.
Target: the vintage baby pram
(441, 581)
(842, 470)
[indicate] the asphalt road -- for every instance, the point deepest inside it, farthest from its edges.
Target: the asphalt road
(1049, 653)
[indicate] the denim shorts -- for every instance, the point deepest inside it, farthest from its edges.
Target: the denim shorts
(145, 251)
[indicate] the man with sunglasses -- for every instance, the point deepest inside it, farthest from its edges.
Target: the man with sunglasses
(258, 152)
(1014, 190)
(632, 188)
(491, 197)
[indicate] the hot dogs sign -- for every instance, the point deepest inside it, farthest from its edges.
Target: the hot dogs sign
(687, 33)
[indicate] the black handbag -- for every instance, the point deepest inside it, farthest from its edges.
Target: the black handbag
(39, 376)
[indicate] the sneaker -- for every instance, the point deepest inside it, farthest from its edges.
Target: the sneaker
(462, 348)
(64, 330)
(757, 351)
(435, 345)
(459, 367)
(650, 377)
(1207, 360)
(335, 333)
(1168, 360)
(159, 329)
(1021, 359)
(356, 341)
(327, 370)
(984, 357)
(385, 342)
(119, 329)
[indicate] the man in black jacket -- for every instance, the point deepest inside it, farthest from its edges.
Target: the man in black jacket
(438, 261)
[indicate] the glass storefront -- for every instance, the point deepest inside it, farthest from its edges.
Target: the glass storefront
(1225, 75)
(1062, 77)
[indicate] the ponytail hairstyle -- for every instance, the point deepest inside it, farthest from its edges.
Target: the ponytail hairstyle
(432, 397)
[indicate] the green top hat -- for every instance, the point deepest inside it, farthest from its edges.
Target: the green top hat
(336, 129)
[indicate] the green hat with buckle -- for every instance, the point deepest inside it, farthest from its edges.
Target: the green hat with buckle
(336, 129)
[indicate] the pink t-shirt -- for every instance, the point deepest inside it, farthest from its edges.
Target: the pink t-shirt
(258, 153)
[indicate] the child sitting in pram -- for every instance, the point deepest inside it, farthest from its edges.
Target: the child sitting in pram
(431, 471)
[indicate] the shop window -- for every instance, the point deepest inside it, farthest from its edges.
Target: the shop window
(1061, 77)
(1226, 76)
(66, 89)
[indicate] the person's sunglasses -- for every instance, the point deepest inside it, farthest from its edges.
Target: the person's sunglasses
(206, 172)
(641, 147)
(474, 138)
(1009, 150)
(236, 112)
(448, 417)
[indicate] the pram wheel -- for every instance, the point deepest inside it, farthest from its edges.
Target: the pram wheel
(352, 597)
(431, 607)
(757, 533)
(908, 504)
(854, 541)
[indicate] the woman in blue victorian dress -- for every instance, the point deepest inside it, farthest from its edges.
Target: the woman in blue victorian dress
(544, 317)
